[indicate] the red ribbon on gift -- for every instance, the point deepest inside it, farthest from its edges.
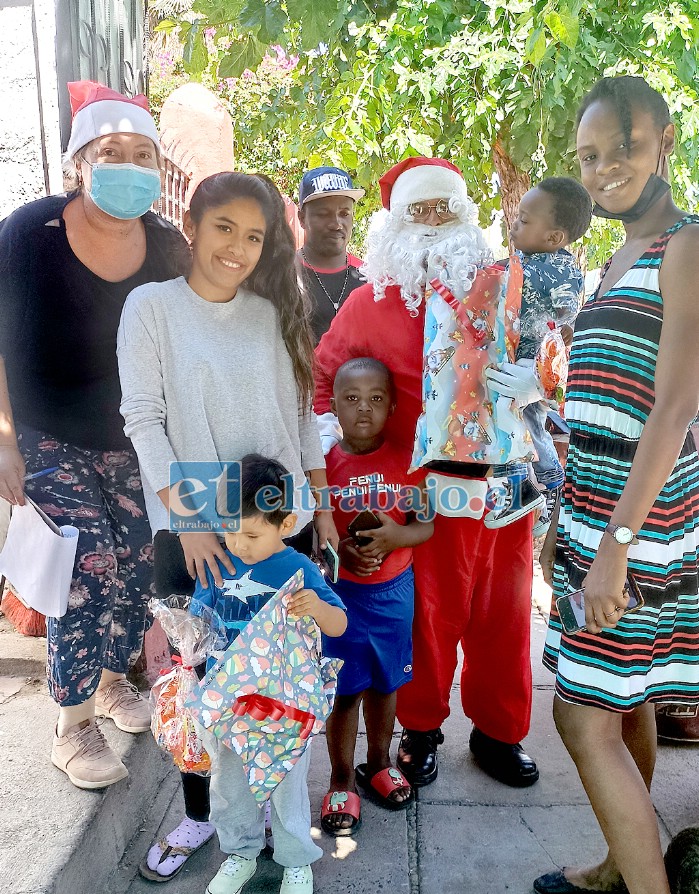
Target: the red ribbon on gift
(263, 707)
(458, 308)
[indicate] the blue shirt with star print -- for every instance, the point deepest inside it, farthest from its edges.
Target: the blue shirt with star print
(243, 594)
(553, 290)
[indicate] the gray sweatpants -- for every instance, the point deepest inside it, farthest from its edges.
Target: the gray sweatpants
(240, 821)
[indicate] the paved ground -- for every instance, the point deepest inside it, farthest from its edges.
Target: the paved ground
(466, 833)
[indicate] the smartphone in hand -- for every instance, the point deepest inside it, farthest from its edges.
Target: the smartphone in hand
(326, 559)
(571, 608)
(366, 520)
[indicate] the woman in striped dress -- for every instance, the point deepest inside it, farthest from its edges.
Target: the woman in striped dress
(630, 503)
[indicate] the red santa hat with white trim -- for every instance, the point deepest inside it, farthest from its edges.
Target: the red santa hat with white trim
(417, 179)
(99, 110)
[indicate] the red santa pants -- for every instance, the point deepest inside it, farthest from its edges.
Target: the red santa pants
(472, 586)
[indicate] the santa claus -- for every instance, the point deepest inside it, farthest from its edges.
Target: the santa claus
(473, 584)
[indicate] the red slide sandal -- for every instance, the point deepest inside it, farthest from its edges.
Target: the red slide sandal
(382, 785)
(337, 803)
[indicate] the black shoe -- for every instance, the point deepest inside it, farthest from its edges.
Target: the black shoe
(521, 500)
(543, 523)
(677, 723)
(682, 861)
(506, 763)
(417, 755)
(557, 883)
(551, 496)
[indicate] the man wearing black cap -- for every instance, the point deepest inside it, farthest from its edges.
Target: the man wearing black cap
(326, 213)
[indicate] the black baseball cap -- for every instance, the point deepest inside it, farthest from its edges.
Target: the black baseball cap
(325, 181)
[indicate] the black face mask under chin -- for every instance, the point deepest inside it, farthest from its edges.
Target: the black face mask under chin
(652, 191)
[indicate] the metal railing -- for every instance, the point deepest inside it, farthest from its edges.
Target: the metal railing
(171, 204)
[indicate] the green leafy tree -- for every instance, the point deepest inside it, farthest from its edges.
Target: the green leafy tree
(250, 99)
(257, 102)
(491, 84)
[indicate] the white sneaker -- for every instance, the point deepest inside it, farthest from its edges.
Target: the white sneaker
(234, 874)
(125, 705)
(297, 880)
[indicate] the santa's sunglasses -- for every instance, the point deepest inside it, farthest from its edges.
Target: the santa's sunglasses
(421, 210)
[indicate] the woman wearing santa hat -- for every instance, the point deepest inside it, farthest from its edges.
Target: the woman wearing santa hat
(472, 584)
(67, 264)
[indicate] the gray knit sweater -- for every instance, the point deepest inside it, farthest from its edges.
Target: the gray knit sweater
(203, 381)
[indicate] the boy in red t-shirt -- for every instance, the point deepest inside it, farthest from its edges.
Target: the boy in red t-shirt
(376, 585)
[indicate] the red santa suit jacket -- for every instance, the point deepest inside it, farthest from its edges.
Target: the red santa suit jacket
(496, 682)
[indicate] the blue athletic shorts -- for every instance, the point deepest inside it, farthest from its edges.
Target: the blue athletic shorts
(377, 646)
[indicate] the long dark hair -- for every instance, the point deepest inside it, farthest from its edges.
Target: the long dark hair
(274, 277)
(626, 93)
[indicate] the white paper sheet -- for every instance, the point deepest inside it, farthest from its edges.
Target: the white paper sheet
(4, 520)
(38, 562)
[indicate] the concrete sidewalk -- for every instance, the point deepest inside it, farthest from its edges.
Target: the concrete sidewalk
(465, 833)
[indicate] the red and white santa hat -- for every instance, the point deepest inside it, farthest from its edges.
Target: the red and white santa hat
(417, 179)
(98, 110)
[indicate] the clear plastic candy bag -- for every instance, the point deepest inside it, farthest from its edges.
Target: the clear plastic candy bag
(551, 365)
(194, 637)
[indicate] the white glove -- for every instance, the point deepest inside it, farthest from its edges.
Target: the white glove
(330, 431)
(516, 381)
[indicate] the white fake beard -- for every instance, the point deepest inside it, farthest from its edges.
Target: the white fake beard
(409, 255)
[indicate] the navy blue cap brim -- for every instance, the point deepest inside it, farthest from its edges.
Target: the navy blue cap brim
(355, 194)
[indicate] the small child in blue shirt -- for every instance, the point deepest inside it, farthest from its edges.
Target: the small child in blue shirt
(551, 215)
(263, 562)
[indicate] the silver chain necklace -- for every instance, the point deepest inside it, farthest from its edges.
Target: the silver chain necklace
(335, 304)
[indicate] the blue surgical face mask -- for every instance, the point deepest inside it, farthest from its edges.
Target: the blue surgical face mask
(124, 191)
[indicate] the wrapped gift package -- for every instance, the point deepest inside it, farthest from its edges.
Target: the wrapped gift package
(271, 691)
(468, 329)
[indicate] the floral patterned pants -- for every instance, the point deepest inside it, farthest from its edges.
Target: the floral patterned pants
(100, 494)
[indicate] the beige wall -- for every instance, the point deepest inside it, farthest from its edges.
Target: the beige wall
(196, 132)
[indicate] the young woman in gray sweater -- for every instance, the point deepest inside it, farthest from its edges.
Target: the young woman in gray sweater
(215, 366)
